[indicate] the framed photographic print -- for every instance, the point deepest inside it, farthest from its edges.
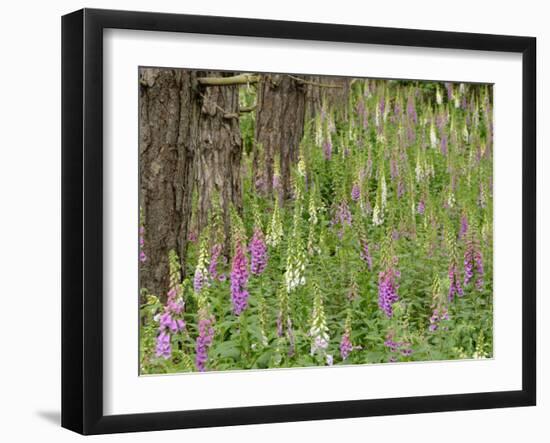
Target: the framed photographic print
(270, 221)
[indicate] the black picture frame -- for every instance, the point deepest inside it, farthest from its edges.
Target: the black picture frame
(82, 218)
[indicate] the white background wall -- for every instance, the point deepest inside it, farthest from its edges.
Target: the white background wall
(30, 218)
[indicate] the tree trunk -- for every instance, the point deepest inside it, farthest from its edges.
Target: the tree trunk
(167, 143)
(314, 98)
(279, 129)
(219, 154)
(333, 98)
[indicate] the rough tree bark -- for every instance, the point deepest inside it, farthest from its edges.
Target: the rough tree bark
(219, 153)
(168, 135)
(335, 98)
(280, 117)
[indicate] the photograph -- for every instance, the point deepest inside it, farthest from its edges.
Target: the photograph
(291, 220)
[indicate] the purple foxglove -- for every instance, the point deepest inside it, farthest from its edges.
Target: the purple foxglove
(239, 281)
(204, 340)
(387, 290)
(214, 260)
(355, 192)
(345, 346)
(258, 252)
